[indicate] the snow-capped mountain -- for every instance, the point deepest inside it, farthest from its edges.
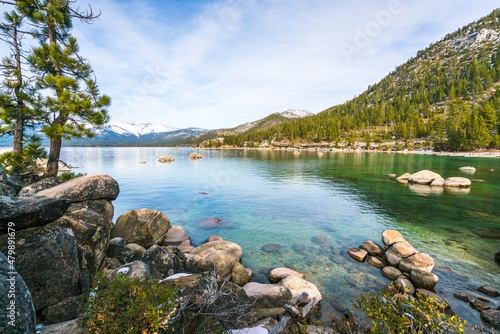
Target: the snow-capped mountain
(295, 113)
(135, 129)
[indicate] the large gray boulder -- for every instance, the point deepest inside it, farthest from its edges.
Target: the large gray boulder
(161, 262)
(17, 314)
(47, 259)
(89, 187)
(143, 226)
(67, 327)
(65, 310)
(174, 236)
(30, 212)
(268, 295)
(221, 254)
(33, 188)
(136, 269)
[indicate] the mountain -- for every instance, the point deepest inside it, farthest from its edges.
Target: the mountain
(116, 133)
(445, 97)
(255, 126)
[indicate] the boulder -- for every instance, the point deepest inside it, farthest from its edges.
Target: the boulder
(391, 273)
(133, 269)
(377, 262)
(423, 279)
(95, 212)
(467, 169)
(497, 256)
(132, 252)
(418, 261)
(489, 291)
(268, 295)
(30, 212)
(6, 190)
(63, 311)
(47, 259)
(222, 254)
(239, 275)
(478, 305)
(214, 238)
(143, 226)
(67, 327)
(196, 264)
(89, 187)
(462, 296)
(22, 313)
(250, 273)
(357, 254)
(174, 236)
(437, 183)
(398, 252)
(164, 159)
(404, 285)
(424, 177)
(185, 246)
(492, 318)
(195, 156)
(33, 188)
(403, 178)
(115, 247)
(298, 285)
(372, 248)
(278, 274)
(461, 182)
(390, 237)
(436, 298)
(161, 263)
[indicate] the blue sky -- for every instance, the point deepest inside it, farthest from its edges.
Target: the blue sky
(216, 64)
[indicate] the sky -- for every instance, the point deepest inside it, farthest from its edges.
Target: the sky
(216, 64)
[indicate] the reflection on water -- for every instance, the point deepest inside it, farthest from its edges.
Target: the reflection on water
(281, 198)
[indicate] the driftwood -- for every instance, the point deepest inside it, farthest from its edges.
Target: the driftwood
(294, 313)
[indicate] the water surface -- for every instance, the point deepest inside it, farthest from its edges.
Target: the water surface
(278, 197)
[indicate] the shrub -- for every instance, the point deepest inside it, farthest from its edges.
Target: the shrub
(21, 163)
(129, 305)
(402, 314)
(65, 177)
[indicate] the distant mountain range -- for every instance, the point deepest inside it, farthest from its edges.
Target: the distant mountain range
(116, 133)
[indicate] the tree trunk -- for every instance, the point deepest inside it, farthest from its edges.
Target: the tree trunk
(18, 134)
(55, 152)
(19, 128)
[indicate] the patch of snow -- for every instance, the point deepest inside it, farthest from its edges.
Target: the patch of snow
(176, 276)
(123, 270)
(295, 113)
(254, 330)
(135, 129)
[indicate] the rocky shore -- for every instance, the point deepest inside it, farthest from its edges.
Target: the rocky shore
(60, 237)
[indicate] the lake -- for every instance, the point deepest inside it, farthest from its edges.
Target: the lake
(265, 196)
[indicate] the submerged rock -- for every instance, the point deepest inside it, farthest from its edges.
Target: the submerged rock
(143, 226)
(478, 305)
(489, 291)
(461, 296)
(271, 248)
(320, 241)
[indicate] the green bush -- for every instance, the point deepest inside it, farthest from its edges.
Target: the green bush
(129, 305)
(65, 177)
(21, 163)
(403, 314)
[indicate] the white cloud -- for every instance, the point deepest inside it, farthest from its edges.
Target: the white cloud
(223, 63)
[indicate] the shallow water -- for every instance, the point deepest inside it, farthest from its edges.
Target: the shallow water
(277, 197)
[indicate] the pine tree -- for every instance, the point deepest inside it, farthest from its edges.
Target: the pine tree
(16, 109)
(74, 102)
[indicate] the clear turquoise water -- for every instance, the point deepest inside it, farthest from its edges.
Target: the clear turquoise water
(278, 197)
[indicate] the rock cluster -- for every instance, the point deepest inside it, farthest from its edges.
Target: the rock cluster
(164, 159)
(195, 156)
(61, 235)
(429, 178)
(399, 262)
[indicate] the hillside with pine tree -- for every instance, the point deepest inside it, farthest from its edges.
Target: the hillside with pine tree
(446, 98)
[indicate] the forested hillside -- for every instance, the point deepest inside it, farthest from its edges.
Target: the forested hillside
(446, 96)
